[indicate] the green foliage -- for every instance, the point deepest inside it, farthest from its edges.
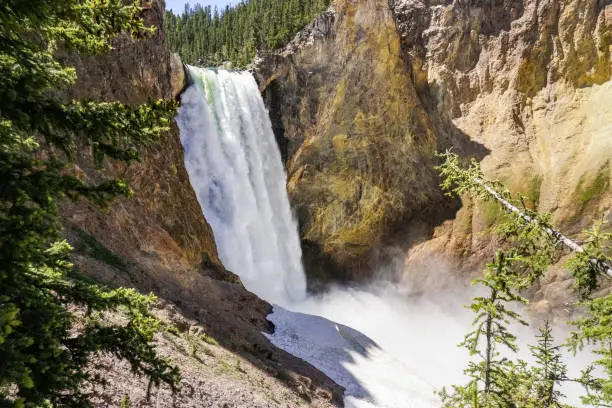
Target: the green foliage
(499, 381)
(535, 187)
(207, 36)
(209, 340)
(540, 387)
(587, 266)
(532, 247)
(459, 179)
(595, 329)
(193, 343)
(491, 213)
(586, 193)
(494, 379)
(126, 402)
(531, 235)
(534, 244)
(197, 343)
(239, 367)
(44, 352)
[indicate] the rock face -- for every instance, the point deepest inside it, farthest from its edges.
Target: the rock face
(530, 81)
(360, 143)
(159, 241)
(163, 221)
(372, 88)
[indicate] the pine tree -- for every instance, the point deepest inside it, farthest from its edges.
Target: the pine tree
(589, 262)
(541, 387)
(202, 35)
(494, 379)
(595, 330)
(44, 354)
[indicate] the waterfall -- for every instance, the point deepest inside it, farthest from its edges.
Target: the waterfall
(237, 173)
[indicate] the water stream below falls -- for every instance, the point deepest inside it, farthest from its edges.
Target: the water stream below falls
(386, 349)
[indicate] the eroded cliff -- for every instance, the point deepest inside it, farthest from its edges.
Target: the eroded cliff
(372, 88)
(529, 81)
(359, 142)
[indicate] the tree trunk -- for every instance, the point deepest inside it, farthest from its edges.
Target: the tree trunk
(489, 348)
(555, 234)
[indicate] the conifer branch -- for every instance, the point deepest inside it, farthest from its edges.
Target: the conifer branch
(458, 179)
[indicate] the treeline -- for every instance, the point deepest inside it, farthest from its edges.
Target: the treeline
(203, 35)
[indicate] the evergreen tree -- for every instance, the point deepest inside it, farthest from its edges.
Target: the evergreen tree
(540, 389)
(595, 330)
(536, 243)
(528, 228)
(206, 36)
(590, 264)
(494, 379)
(44, 353)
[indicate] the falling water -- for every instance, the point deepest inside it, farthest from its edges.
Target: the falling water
(236, 171)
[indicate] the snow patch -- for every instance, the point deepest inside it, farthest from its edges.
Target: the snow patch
(371, 377)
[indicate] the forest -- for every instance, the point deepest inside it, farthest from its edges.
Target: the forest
(207, 36)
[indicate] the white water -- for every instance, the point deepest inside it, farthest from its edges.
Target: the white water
(395, 354)
(236, 171)
(390, 350)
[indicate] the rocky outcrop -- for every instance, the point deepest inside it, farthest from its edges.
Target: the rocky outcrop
(522, 85)
(530, 81)
(211, 374)
(359, 141)
(163, 221)
(158, 241)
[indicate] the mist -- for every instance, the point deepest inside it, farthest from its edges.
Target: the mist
(415, 328)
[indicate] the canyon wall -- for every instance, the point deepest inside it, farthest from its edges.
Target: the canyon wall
(529, 81)
(359, 141)
(366, 94)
